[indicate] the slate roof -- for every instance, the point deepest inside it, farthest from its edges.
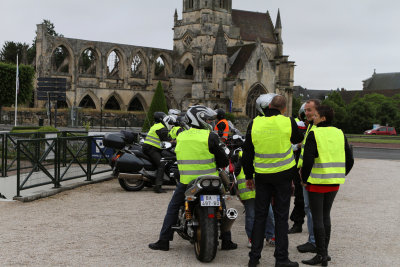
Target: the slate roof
(306, 94)
(382, 81)
(254, 25)
(244, 53)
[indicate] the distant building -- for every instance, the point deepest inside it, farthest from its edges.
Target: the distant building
(387, 84)
(305, 94)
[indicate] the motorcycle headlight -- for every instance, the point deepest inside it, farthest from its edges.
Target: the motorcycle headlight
(205, 183)
(216, 183)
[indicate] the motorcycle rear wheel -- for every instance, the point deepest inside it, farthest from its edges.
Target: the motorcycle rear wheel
(206, 235)
(131, 184)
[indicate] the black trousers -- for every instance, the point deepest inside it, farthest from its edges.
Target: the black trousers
(281, 190)
(298, 214)
(320, 205)
(155, 156)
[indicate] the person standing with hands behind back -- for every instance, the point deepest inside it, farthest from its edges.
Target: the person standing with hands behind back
(327, 159)
(268, 153)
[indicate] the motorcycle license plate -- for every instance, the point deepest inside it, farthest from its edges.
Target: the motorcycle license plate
(210, 200)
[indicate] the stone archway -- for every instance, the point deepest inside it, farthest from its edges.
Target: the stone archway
(254, 93)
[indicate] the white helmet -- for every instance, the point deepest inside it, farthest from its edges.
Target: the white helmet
(263, 101)
(174, 112)
(169, 121)
(302, 111)
(197, 116)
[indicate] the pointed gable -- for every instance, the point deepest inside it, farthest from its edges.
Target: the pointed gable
(254, 25)
(242, 55)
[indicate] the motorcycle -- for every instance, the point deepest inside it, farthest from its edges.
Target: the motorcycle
(132, 167)
(204, 213)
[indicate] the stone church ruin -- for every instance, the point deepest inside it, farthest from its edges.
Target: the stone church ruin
(221, 58)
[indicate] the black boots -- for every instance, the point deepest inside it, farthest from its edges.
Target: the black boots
(160, 245)
(288, 263)
(228, 245)
(159, 179)
(296, 228)
(318, 259)
(158, 189)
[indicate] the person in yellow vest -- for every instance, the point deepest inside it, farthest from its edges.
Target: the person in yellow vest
(247, 197)
(222, 126)
(327, 159)
(310, 109)
(195, 144)
(152, 145)
(268, 153)
(179, 126)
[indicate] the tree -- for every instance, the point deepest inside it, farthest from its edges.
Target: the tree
(360, 116)
(387, 112)
(296, 105)
(26, 54)
(7, 83)
(335, 101)
(10, 50)
(157, 104)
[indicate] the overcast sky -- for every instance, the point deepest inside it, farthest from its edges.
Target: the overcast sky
(335, 44)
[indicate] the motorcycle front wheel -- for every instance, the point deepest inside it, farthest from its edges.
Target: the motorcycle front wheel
(206, 235)
(131, 184)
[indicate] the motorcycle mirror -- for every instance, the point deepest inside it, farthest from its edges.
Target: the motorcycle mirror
(227, 150)
(166, 145)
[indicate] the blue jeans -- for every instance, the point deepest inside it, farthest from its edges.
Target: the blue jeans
(171, 218)
(307, 210)
(249, 205)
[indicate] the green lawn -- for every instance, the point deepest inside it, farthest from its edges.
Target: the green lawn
(373, 140)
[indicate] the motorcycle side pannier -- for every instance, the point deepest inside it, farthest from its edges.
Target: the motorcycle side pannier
(129, 163)
(114, 140)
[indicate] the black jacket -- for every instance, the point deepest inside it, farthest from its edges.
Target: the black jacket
(311, 152)
(214, 147)
(248, 150)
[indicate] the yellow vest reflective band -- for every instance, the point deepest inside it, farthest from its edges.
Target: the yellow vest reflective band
(152, 137)
(330, 166)
(173, 132)
(272, 147)
(244, 192)
(193, 155)
(300, 162)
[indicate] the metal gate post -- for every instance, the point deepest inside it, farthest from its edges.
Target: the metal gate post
(18, 169)
(89, 158)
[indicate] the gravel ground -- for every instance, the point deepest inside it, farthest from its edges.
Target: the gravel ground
(102, 225)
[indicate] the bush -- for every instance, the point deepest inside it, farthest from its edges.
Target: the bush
(157, 104)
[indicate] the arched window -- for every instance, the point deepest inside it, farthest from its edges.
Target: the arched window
(88, 62)
(87, 102)
(62, 104)
(135, 105)
(159, 69)
(61, 60)
(113, 65)
(112, 104)
(254, 93)
(190, 3)
(137, 66)
(189, 70)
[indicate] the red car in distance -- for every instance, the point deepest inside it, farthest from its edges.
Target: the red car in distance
(382, 130)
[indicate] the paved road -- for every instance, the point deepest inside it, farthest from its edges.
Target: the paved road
(102, 225)
(376, 153)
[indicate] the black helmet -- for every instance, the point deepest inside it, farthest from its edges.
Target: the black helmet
(159, 116)
(220, 114)
(197, 116)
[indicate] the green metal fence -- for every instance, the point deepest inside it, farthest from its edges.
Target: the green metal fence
(43, 161)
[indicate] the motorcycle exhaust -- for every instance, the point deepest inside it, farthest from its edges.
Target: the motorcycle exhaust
(228, 220)
(225, 178)
(135, 176)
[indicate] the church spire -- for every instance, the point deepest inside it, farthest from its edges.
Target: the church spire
(278, 24)
(220, 44)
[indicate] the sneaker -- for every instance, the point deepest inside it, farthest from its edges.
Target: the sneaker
(270, 242)
(249, 243)
(307, 247)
